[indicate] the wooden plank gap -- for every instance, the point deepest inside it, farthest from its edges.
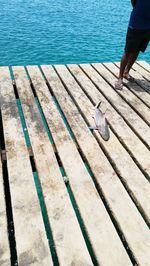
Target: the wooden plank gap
(9, 214)
(64, 119)
(30, 151)
(46, 221)
(82, 226)
(15, 90)
(32, 87)
(3, 155)
(47, 83)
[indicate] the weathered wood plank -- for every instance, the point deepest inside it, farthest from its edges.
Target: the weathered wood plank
(142, 84)
(4, 244)
(142, 71)
(125, 134)
(137, 90)
(138, 186)
(31, 241)
(70, 246)
(99, 227)
(134, 228)
(145, 65)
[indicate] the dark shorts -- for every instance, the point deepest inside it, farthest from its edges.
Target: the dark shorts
(137, 40)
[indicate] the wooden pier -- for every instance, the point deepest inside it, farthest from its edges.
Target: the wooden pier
(67, 197)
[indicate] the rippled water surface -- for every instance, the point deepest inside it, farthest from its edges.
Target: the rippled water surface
(63, 31)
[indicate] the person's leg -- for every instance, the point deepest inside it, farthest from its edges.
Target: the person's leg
(124, 62)
(142, 40)
(133, 42)
(131, 61)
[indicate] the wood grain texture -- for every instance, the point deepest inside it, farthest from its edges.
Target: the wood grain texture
(68, 240)
(112, 195)
(128, 217)
(136, 182)
(127, 112)
(31, 241)
(99, 227)
(124, 132)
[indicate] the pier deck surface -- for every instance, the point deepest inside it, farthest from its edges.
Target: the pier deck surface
(67, 197)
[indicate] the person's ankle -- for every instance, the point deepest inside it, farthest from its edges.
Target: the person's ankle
(120, 79)
(126, 73)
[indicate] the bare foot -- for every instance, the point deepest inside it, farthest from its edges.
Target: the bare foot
(119, 84)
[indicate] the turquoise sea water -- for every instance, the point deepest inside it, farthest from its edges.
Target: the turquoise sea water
(63, 31)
